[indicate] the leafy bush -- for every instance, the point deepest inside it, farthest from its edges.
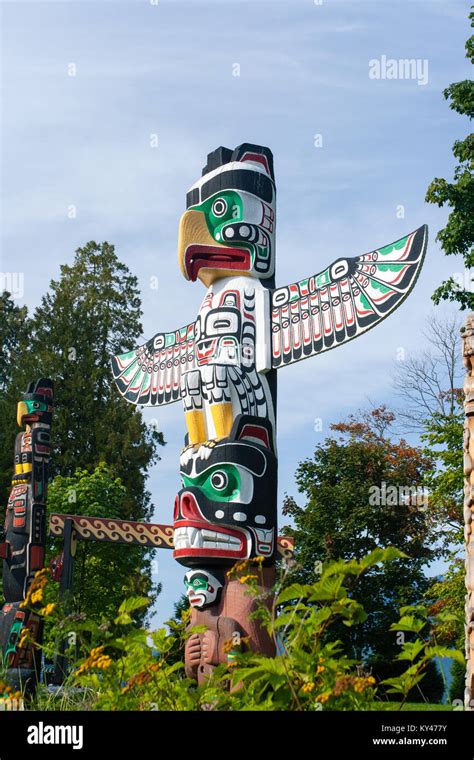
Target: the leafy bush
(117, 665)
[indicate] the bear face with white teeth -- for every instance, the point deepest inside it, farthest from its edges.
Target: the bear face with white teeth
(226, 510)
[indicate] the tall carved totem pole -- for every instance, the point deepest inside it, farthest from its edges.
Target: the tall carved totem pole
(468, 356)
(223, 366)
(23, 541)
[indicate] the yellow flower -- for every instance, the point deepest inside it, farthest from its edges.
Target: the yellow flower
(245, 578)
(48, 609)
(95, 660)
(308, 686)
(323, 697)
(103, 662)
(360, 684)
(320, 669)
(42, 573)
(37, 596)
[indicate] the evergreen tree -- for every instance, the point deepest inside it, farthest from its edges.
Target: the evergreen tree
(14, 330)
(357, 500)
(90, 313)
(457, 237)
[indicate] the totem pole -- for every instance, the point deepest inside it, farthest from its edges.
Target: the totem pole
(23, 540)
(468, 355)
(223, 365)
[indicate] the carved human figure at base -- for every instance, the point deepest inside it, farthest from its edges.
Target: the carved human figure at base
(229, 621)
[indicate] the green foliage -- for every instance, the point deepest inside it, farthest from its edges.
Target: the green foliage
(14, 331)
(445, 480)
(117, 666)
(342, 520)
(444, 435)
(104, 573)
(419, 652)
(449, 593)
(89, 314)
(458, 236)
(458, 682)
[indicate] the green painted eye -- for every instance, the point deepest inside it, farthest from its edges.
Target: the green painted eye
(35, 406)
(219, 207)
(222, 482)
(198, 583)
(219, 480)
(219, 483)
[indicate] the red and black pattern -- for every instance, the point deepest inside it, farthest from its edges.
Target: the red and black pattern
(345, 300)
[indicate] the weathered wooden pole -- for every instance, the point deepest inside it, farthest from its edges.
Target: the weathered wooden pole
(65, 592)
(467, 333)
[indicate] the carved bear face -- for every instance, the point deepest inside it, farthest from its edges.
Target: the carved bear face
(226, 510)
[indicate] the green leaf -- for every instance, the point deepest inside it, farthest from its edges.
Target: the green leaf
(411, 650)
(134, 603)
(408, 623)
(295, 591)
(441, 651)
(381, 555)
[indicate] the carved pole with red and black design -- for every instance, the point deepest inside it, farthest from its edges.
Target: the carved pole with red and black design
(223, 365)
(24, 536)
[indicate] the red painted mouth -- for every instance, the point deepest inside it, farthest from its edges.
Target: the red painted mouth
(216, 257)
(28, 418)
(195, 546)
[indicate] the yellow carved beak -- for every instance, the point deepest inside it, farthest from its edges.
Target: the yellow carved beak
(21, 410)
(192, 230)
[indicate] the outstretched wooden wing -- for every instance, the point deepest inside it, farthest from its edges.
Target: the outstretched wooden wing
(151, 374)
(345, 300)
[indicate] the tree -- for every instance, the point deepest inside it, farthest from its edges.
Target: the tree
(429, 381)
(104, 573)
(363, 491)
(14, 331)
(445, 480)
(90, 313)
(429, 386)
(458, 236)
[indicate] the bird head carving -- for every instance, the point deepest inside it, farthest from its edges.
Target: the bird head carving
(228, 228)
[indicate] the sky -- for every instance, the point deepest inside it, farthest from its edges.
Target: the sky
(110, 107)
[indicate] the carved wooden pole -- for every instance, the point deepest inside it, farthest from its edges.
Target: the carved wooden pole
(467, 333)
(223, 364)
(22, 546)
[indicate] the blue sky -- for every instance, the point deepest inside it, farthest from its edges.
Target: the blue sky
(166, 69)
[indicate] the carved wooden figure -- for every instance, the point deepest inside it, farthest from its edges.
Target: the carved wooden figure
(24, 535)
(222, 366)
(468, 356)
